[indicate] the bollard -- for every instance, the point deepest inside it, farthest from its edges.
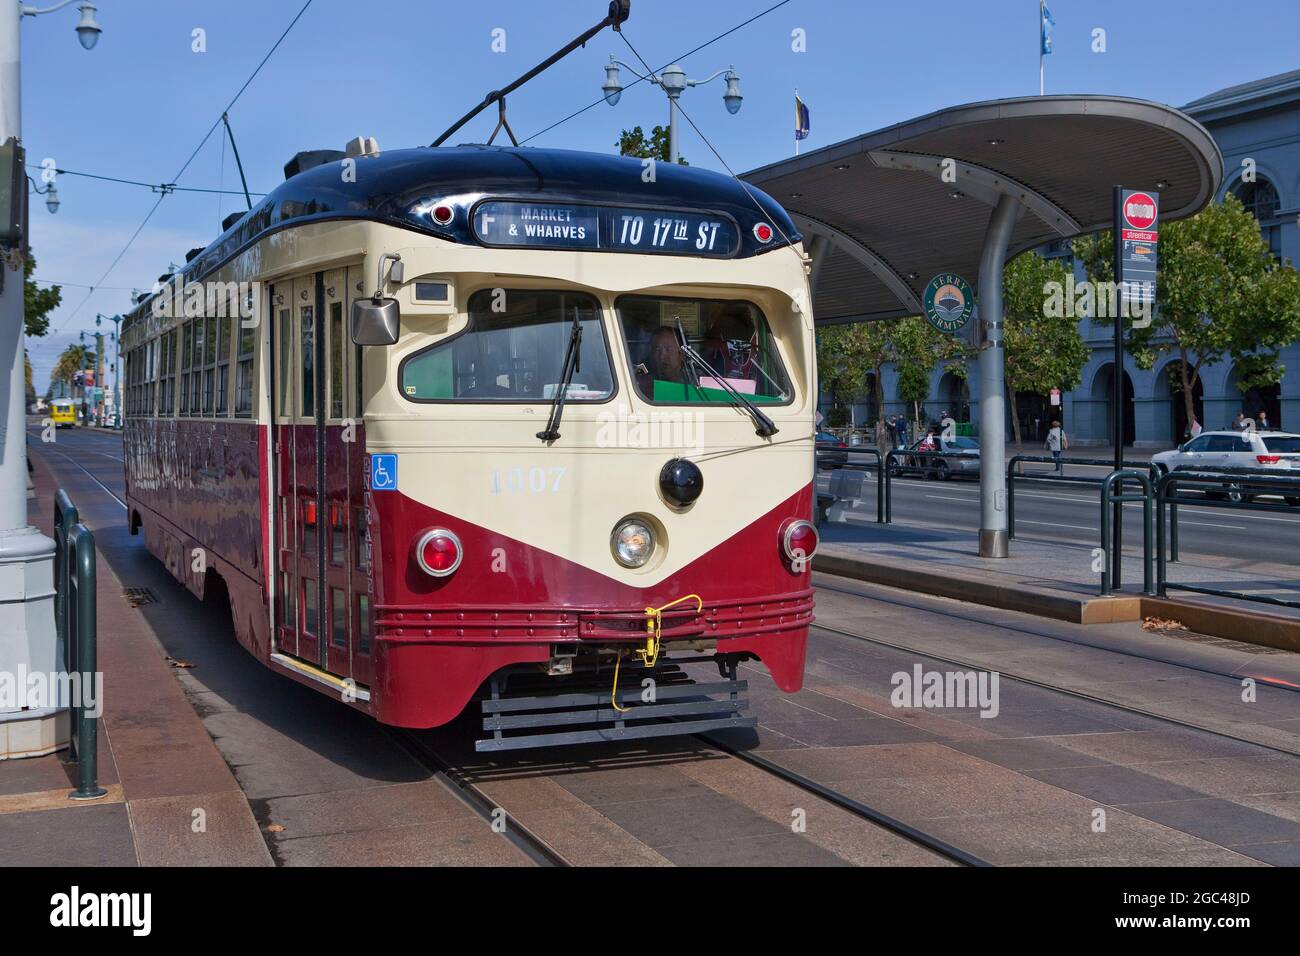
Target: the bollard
(85, 730)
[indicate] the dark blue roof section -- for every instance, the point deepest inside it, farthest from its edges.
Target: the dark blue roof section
(400, 186)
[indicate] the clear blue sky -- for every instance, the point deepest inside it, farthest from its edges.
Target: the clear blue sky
(403, 70)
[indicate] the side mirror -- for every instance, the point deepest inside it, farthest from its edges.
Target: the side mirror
(375, 321)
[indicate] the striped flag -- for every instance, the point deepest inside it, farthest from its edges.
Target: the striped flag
(801, 121)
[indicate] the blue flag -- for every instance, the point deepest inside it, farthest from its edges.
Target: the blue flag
(802, 123)
(1047, 23)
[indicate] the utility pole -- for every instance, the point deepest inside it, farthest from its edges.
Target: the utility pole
(27, 636)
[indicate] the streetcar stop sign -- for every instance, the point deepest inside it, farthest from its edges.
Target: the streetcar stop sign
(948, 302)
(1137, 240)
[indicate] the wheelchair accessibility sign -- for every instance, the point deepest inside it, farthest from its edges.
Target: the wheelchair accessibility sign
(383, 472)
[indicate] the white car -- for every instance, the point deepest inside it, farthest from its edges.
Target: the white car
(1264, 450)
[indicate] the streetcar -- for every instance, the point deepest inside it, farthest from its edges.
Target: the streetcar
(63, 413)
(516, 427)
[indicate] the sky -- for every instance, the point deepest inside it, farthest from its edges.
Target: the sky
(139, 104)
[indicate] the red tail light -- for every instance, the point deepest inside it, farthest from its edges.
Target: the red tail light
(1268, 459)
(799, 543)
(438, 552)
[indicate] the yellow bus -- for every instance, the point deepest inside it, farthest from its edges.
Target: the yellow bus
(63, 412)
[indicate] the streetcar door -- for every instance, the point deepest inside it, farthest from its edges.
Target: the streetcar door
(347, 647)
(298, 440)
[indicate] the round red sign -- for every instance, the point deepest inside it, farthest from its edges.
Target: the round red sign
(1140, 211)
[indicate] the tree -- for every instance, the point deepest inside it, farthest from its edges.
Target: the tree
(918, 347)
(71, 361)
(27, 378)
(634, 143)
(1220, 294)
(847, 354)
(38, 303)
(1043, 348)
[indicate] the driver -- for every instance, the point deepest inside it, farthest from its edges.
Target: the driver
(664, 362)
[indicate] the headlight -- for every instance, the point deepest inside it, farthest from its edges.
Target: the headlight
(633, 542)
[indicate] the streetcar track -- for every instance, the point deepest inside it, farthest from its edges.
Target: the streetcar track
(914, 606)
(476, 799)
(81, 467)
(847, 803)
(1069, 692)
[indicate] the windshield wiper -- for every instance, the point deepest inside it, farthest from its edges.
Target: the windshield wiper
(572, 359)
(763, 426)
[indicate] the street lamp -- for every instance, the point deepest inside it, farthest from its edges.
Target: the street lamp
(673, 80)
(51, 194)
(88, 30)
(117, 360)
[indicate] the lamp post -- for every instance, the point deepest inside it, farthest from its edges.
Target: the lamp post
(27, 635)
(672, 80)
(117, 355)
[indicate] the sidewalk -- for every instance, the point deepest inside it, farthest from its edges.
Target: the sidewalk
(172, 801)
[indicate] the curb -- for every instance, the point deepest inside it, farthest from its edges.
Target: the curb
(1006, 593)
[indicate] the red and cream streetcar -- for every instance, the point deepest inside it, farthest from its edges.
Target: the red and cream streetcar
(492, 423)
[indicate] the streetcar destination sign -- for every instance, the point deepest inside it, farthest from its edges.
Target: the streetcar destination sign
(607, 228)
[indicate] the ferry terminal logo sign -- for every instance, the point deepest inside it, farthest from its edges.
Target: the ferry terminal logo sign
(948, 302)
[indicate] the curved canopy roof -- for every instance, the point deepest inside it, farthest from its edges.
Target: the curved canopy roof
(892, 220)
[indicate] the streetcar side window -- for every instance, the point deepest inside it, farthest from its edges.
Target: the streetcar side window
(196, 378)
(336, 359)
(732, 338)
(209, 362)
(187, 353)
(244, 370)
(308, 315)
(513, 350)
(286, 363)
(223, 361)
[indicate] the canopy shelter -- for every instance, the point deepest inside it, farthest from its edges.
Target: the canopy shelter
(964, 189)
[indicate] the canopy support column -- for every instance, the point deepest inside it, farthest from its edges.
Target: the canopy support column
(993, 385)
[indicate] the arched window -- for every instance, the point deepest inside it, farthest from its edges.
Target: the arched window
(1259, 198)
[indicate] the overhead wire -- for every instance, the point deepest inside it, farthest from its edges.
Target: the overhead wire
(181, 171)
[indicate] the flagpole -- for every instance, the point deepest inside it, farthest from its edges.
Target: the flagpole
(1040, 46)
(796, 121)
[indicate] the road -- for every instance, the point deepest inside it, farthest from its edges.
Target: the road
(1150, 735)
(1072, 513)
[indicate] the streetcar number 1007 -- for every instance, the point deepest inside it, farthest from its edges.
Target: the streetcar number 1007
(535, 480)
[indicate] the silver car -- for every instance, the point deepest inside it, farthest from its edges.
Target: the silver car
(1264, 450)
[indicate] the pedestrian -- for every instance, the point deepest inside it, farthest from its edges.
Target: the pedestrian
(1236, 422)
(1196, 427)
(1261, 420)
(1056, 443)
(927, 443)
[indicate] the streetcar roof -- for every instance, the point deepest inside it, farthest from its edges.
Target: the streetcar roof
(400, 186)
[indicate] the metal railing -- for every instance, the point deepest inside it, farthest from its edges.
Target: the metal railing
(1215, 489)
(1012, 477)
(1112, 496)
(75, 617)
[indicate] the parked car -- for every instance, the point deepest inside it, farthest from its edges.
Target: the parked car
(831, 452)
(964, 462)
(1267, 451)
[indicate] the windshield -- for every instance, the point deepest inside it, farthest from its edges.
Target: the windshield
(731, 336)
(1282, 446)
(513, 351)
(964, 443)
